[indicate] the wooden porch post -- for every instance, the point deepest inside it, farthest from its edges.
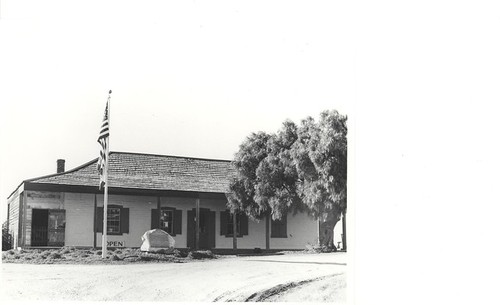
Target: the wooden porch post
(197, 224)
(158, 206)
(95, 220)
(235, 237)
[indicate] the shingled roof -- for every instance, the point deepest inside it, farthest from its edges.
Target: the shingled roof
(151, 172)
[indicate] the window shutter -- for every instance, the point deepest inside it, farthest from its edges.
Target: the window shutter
(224, 216)
(278, 228)
(243, 224)
(190, 229)
(155, 221)
(124, 220)
(99, 219)
(177, 222)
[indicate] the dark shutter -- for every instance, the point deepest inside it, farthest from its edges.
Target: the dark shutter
(278, 228)
(243, 224)
(99, 219)
(224, 216)
(155, 219)
(190, 229)
(124, 220)
(177, 222)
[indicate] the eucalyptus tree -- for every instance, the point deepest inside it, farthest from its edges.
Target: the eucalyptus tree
(299, 168)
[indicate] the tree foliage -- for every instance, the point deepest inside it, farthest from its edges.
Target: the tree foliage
(299, 168)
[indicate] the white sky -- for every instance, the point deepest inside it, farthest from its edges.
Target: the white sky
(188, 78)
(419, 80)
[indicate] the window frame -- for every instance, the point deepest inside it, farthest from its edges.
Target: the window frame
(119, 208)
(171, 211)
(229, 225)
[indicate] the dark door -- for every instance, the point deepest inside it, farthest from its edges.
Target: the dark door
(56, 228)
(47, 228)
(39, 227)
(207, 229)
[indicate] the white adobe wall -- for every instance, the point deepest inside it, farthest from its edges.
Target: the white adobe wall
(140, 217)
(301, 230)
(79, 207)
(79, 219)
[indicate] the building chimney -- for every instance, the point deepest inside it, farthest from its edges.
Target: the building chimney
(60, 165)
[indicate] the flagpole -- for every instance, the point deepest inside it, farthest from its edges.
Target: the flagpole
(105, 208)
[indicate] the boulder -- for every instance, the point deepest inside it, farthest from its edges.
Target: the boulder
(157, 240)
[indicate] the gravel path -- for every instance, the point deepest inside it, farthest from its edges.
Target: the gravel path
(225, 279)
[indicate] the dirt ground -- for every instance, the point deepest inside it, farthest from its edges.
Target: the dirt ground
(289, 277)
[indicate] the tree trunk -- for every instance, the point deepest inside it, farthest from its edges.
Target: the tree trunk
(326, 231)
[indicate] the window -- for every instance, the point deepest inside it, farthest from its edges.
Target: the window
(167, 220)
(226, 224)
(230, 224)
(113, 224)
(278, 227)
(117, 220)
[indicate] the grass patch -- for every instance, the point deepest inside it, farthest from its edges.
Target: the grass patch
(71, 255)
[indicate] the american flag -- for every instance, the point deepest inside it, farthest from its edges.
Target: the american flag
(103, 141)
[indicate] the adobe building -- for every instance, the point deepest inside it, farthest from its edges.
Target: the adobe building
(145, 191)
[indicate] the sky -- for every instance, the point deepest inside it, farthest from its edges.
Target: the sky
(188, 78)
(418, 80)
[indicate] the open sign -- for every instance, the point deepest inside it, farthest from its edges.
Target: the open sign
(116, 244)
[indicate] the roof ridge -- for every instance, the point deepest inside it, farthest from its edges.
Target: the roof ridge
(170, 156)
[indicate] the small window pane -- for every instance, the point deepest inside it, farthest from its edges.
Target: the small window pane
(113, 220)
(167, 220)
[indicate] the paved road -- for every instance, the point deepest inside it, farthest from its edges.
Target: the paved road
(226, 279)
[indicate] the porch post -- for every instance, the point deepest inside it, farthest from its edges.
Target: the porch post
(158, 206)
(235, 237)
(197, 224)
(95, 220)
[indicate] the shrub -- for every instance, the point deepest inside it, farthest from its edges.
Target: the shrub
(54, 255)
(98, 252)
(145, 258)
(201, 254)
(114, 257)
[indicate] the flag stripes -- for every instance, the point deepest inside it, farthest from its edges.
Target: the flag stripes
(101, 163)
(103, 141)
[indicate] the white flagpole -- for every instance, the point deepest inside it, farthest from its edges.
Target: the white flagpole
(105, 208)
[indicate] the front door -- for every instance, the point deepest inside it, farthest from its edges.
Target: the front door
(57, 225)
(206, 227)
(47, 228)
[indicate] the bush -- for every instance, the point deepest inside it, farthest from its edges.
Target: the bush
(201, 254)
(6, 237)
(114, 257)
(54, 255)
(316, 248)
